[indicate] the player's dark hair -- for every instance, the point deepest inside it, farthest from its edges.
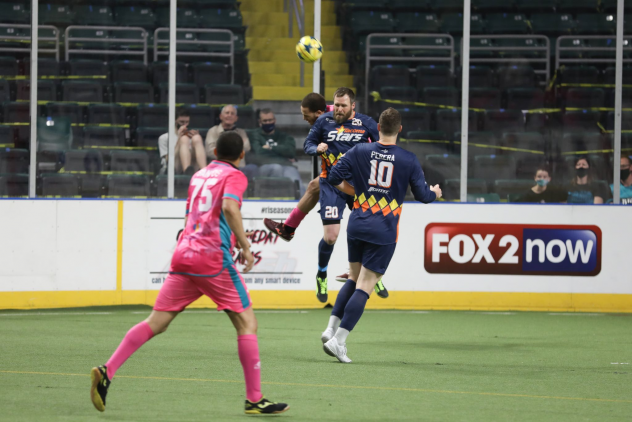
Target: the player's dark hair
(390, 122)
(342, 91)
(314, 102)
(182, 112)
(229, 146)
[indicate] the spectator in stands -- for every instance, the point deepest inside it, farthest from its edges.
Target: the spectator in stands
(189, 150)
(543, 192)
(275, 151)
(626, 180)
(228, 119)
(583, 189)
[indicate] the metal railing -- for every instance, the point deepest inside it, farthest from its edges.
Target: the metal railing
(544, 48)
(296, 10)
(106, 41)
(559, 49)
(230, 43)
(27, 39)
(449, 47)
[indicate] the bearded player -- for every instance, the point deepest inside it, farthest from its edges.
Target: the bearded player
(332, 135)
(202, 264)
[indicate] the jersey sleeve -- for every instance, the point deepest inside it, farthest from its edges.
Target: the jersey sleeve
(313, 138)
(418, 185)
(235, 187)
(342, 170)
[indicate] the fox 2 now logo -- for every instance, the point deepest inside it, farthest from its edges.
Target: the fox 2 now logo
(512, 249)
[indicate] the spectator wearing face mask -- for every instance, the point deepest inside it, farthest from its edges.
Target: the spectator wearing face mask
(583, 189)
(543, 192)
(626, 181)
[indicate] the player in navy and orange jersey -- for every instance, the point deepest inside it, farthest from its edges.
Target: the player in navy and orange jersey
(202, 264)
(379, 175)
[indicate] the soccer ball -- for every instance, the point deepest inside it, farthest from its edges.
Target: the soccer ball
(309, 49)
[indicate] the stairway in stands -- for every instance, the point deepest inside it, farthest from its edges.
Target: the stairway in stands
(272, 60)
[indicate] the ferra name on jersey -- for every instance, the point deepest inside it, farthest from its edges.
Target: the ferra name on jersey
(380, 156)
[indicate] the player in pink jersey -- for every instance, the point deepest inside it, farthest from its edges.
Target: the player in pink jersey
(202, 264)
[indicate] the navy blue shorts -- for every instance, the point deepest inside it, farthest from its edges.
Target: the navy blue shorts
(332, 201)
(374, 257)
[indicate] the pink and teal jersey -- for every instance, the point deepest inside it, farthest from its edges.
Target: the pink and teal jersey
(205, 247)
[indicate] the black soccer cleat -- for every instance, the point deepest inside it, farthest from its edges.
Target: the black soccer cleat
(381, 290)
(99, 388)
(321, 287)
(284, 232)
(265, 406)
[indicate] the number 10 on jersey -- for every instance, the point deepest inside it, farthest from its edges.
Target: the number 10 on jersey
(381, 173)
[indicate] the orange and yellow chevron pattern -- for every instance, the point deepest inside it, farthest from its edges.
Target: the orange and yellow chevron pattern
(331, 159)
(377, 206)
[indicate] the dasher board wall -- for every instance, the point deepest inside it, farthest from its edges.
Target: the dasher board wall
(68, 253)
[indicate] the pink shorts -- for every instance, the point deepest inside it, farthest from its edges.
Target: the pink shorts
(227, 290)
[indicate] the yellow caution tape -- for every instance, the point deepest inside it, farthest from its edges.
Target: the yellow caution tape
(595, 109)
(7, 145)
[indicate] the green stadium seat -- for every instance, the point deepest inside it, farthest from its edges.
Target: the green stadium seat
(487, 6)
(55, 14)
(382, 41)
(133, 39)
(93, 15)
(112, 114)
(507, 23)
(180, 184)
(14, 185)
(525, 98)
(579, 75)
(512, 186)
(480, 43)
(552, 23)
(204, 73)
(525, 140)
(46, 90)
(452, 188)
(483, 197)
(408, 5)
(417, 22)
(432, 76)
(70, 110)
(274, 187)
(583, 141)
(448, 96)
(82, 91)
(133, 92)
(136, 161)
(148, 136)
(101, 39)
(366, 22)
(224, 94)
(128, 70)
(186, 17)
(596, 24)
(584, 97)
(442, 6)
(238, 41)
(528, 6)
(481, 76)
(605, 49)
(425, 43)
(492, 167)
(415, 118)
(575, 6)
(15, 13)
(506, 46)
(449, 121)
(403, 93)
(45, 67)
(453, 23)
(580, 121)
(14, 160)
(389, 75)
(487, 98)
(159, 72)
(8, 66)
(103, 136)
(60, 184)
(221, 18)
(127, 186)
(503, 120)
(609, 75)
(421, 143)
(135, 16)
(53, 133)
(153, 115)
(5, 90)
(365, 4)
(516, 77)
(89, 68)
(185, 93)
(204, 116)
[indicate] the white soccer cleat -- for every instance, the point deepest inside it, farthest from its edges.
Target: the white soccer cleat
(336, 350)
(325, 337)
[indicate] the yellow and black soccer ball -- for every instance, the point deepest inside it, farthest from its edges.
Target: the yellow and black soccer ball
(309, 49)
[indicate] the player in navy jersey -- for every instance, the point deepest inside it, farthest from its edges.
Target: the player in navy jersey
(377, 175)
(333, 133)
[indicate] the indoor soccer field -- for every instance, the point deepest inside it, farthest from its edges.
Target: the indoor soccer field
(408, 365)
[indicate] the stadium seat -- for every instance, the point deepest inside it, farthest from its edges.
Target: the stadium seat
(147, 137)
(203, 117)
(406, 94)
(185, 93)
(424, 143)
(516, 77)
(441, 96)
(583, 141)
(367, 22)
(574, 6)
(452, 188)
(5, 91)
(491, 167)
(93, 15)
(14, 185)
(389, 46)
(180, 186)
(89, 68)
(427, 46)
(82, 91)
(45, 67)
(204, 73)
(54, 133)
(609, 74)
(46, 90)
(8, 66)
(527, 6)
(127, 186)
(153, 115)
(486, 6)
(503, 121)
(160, 73)
(128, 71)
(486, 138)
(445, 166)
(15, 13)
(507, 23)
(7, 136)
(433, 76)
(99, 38)
(18, 113)
(453, 23)
(483, 197)
(366, 5)
(408, 5)
(389, 75)
(418, 22)
(274, 187)
(239, 44)
(487, 98)
(554, 24)
(584, 97)
(95, 136)
(524, 140)
(71, 110)
(186, 17)
(247, 118)
(525, 98)
(14, 160)
(60, 184)
(55, 14)
(133, 92)
(135, 16)
(517, 186)
(84, 160)
(594, 24)
(579, 75)
(480, 77)
(220, 18)
(224, 94)
(112, 114)
(415, 119)
(449, 121)
(135, 161)
(626, 120)
(582, 120)
(129, 39)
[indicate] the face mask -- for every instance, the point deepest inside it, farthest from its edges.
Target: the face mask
(581, 172)
(542, 182)
(625, 173)
(267, 127)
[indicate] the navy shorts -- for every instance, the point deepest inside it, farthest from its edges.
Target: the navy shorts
(332, 201)
(374, 257)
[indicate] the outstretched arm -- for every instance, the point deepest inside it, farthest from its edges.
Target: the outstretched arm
(419, 187)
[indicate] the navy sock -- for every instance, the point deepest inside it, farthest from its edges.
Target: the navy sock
(354, 309)
(324, 254)
(343, 297)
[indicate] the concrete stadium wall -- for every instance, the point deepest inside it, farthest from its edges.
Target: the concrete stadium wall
(69, 253)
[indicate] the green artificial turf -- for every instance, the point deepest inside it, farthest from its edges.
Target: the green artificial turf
(416, 366)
